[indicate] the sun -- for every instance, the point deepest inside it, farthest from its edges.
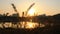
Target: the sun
(31, 12)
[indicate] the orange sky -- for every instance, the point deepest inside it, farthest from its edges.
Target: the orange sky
(48, 7)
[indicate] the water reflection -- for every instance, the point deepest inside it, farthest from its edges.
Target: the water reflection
(24, 25)
(31, 25)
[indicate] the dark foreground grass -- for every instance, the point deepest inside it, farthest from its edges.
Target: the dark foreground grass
(45, 30)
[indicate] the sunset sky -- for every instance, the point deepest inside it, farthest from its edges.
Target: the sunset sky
(48, 7)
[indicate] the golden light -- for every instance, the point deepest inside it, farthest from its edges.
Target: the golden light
(31, 12)
(31, 25)
(42, 25)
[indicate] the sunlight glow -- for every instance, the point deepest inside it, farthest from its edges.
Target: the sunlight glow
(31, 12)
(31, 25)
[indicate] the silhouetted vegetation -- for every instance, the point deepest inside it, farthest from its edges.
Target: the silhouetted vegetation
(53, 26)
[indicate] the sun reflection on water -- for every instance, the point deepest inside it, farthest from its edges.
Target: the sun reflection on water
(24, 25)
(31, 25)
